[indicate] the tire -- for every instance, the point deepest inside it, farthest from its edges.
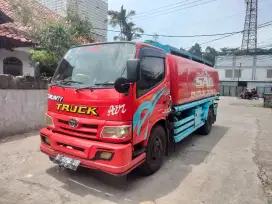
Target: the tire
(155, 151)
(207, 127)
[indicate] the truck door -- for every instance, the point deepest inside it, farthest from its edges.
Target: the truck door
(151, 100)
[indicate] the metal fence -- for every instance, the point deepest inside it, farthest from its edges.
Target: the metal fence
(235, 90)
(231, 90)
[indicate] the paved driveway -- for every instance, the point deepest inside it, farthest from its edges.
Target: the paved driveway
(231, 165)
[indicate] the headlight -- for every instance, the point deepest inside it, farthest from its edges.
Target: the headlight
(115, 132)
(49, 120)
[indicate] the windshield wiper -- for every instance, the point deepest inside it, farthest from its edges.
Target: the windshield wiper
(82, 88)
(106, 83)
(60, 83)
(71, 81)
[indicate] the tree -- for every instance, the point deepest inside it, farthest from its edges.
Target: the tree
(53, 38)
(196, 50)
(210, 54)
(229, 51)
(128, 30)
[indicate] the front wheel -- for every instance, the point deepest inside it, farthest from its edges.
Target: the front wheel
(155, 151)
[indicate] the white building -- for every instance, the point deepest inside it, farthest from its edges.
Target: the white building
(94, 11)
(15, 63)
(255, 70)
(15, 42)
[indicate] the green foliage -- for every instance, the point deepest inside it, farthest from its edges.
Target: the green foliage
(79, 27)
(23, 13)
(48, 60)
(53, 38)
(210, 54)
(129, 31)
(44, 57)
(196, 50)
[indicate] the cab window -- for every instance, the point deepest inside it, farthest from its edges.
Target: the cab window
(152, 73)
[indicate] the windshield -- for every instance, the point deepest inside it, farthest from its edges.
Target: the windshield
(94, 65)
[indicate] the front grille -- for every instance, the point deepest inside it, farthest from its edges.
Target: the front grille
(84, 130)
(63, 121)
(81, 132)
(90, 126)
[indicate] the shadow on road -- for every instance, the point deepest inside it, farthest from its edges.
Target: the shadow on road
(134, 188)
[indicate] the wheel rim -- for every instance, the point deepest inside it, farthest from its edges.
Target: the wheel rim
(157, 148)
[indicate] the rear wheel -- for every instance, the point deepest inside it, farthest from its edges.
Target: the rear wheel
(207, 127)
(155, 151)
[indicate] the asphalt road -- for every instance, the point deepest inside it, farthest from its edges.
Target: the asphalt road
(231, 165)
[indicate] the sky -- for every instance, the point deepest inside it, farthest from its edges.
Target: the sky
(217, 16)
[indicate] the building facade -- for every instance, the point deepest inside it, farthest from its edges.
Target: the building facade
(251, 71)
(94, 11)
(15, 41)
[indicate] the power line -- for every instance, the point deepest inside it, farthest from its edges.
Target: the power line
(159, 8)
(175, 10)
(265, 41)
(163, 10)
(198, 22)
(266, 46)
(191, 36)
(220, 38)
(173, 36)
(260, 26)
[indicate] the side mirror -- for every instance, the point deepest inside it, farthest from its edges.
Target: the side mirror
(133, 70)
(122, 85)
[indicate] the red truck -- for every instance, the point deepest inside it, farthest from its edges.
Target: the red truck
(121, 105)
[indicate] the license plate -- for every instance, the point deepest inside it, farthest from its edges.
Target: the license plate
(67, 162)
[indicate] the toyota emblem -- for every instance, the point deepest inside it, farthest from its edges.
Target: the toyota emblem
(73, 123)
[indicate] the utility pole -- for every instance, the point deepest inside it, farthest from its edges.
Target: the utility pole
(239, 72)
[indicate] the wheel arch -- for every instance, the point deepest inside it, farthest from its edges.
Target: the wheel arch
(163, 122)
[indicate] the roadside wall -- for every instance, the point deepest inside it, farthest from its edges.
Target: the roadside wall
(23, 102)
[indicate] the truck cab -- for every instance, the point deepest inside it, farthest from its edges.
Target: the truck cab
(110, 108)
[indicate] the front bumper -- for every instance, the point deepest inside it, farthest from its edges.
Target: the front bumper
(86, 150)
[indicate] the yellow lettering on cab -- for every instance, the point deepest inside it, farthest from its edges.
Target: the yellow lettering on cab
(65, 107)
(77, 109)
(58, 106)
(92, 111)
(73, 109)
(81, 110)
